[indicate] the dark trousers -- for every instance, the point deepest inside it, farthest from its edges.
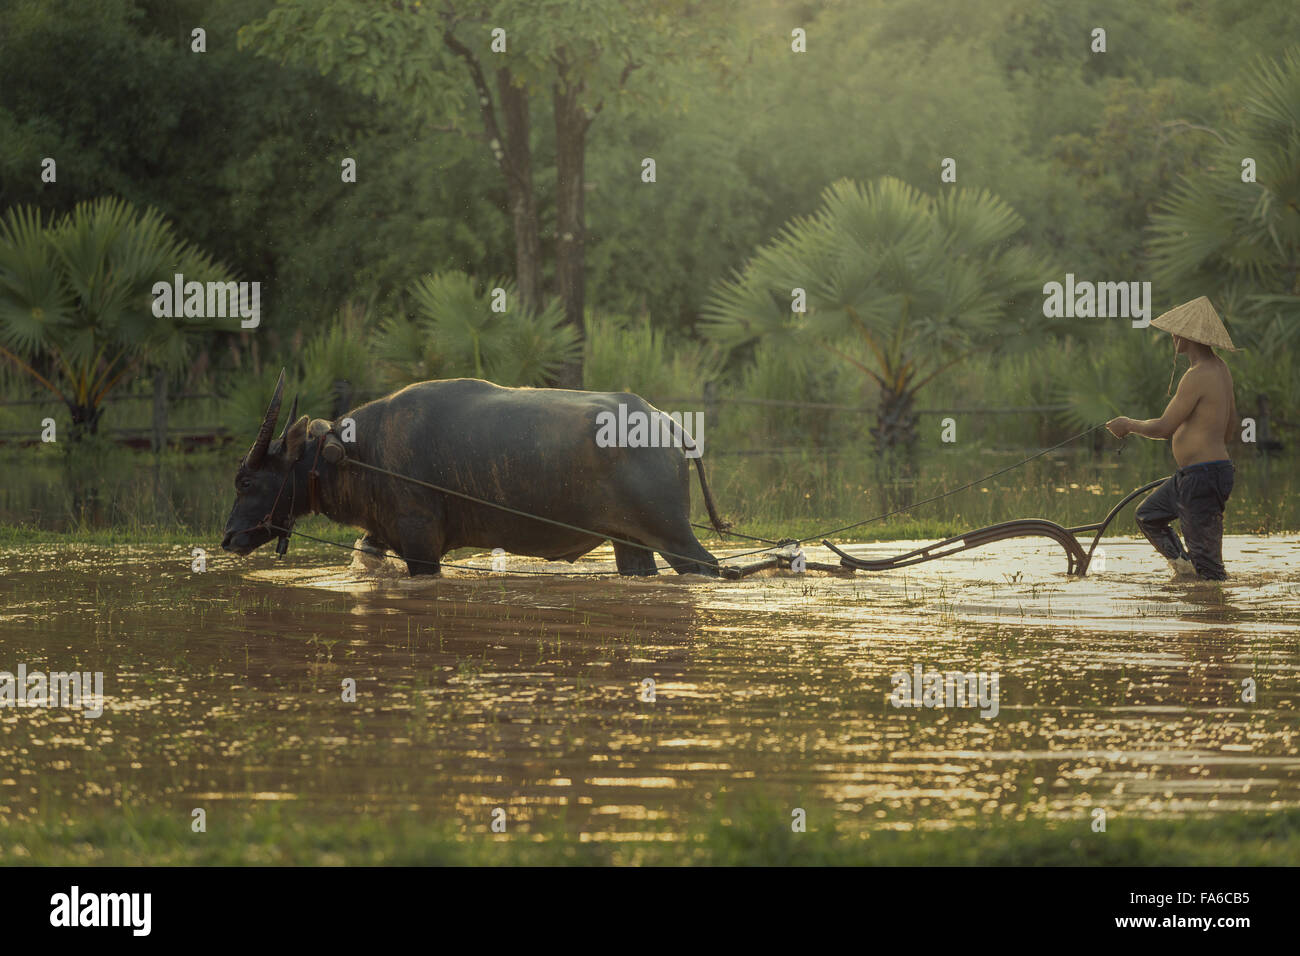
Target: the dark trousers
(1195, 495)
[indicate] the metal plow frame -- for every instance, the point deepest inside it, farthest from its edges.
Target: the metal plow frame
(1077, 560)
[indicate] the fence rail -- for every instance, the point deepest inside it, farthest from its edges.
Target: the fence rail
(55, 403)
(863, 409)
(154, 437)
(160, 435)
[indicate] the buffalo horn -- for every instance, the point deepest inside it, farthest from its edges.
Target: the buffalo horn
(258, 451)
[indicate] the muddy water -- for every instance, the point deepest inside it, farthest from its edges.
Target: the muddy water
(1123, 690)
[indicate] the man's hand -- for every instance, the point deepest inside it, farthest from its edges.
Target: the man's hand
(1120, 427)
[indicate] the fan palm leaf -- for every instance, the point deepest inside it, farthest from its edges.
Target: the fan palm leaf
(76, 298)
(918, 281)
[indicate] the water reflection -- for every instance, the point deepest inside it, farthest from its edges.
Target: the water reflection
(1122, 690)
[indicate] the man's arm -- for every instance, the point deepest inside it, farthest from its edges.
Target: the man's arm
(1178, 411)
(1233, 421)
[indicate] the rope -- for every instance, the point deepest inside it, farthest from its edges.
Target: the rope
(734, 534)
(969, 484)
(525, 514)
(635, 544)
(445, 564)
(897, 511)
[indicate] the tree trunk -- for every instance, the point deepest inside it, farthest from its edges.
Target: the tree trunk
(513, 155)
(159, 443)
(571, 122)
(895, 428)
(895, 438)
(83, 454)
(517, 166)
(85, 421)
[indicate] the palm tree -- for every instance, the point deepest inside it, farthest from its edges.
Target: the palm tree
(76, 313)
(1235, 241)
(900, 285)
(455, 331)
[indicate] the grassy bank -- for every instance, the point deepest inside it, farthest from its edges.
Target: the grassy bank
(185, 498)
(757, 836)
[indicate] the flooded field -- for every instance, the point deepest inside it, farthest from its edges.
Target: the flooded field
(224, 690)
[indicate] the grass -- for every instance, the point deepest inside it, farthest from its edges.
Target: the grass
(25, 534)
(18, 535)
(188, 497)
(755, 835)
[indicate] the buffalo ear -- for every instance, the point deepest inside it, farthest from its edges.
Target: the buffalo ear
(293, 416)
(295, 439)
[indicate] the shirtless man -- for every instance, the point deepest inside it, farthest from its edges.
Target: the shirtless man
(1200, 419)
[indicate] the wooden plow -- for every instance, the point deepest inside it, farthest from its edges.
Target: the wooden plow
(1077, 559)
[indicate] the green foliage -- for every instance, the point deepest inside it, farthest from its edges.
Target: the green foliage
(76, 303)
(340, 353)
(248, 391)
(624, 354)
(900, 285)
(92, 87)
(916, 279)
(383, 51)
(455, 332)
(750, 829)
(242, 154)
(1269, 368)
(1239, 242)
(412, 53)
(659, 247)
(1118, 169)
(1101, 378)
(242, 151)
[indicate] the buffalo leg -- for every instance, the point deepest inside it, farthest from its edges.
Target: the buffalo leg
(418, 566)
(420, 546)
(674, 539)
(704, 562)
(634, 561)
(693, 558)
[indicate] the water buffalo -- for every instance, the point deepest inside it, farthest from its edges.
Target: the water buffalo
(531, 449)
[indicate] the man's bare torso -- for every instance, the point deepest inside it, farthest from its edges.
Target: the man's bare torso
(1203, 436)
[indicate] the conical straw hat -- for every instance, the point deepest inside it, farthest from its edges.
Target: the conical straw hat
(1197, 321)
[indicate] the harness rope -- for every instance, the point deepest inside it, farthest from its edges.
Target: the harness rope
(954, 491)
(444, 564)
(313, 476)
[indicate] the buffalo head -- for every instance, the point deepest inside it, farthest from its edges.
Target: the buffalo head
(267, 490)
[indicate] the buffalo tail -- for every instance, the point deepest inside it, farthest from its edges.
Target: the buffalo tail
(717, 521)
